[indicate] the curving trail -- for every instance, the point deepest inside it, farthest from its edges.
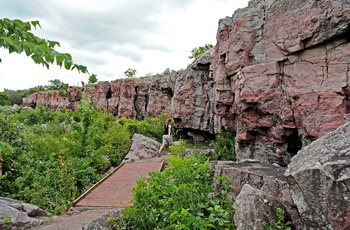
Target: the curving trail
(113, 192)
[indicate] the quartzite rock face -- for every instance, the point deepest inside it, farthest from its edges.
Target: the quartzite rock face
(131, 97)
(191, 103)
(278, 78)
(313, 190)
(319, 177)
(269, 180)
(255, 209)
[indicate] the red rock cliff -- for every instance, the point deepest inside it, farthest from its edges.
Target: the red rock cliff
(132, 98)
(278, 77)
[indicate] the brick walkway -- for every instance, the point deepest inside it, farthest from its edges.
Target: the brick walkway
(115, 190)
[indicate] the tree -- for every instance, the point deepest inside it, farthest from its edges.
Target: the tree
(130, 72)
(4, 98)
(14, 96)
(200, 50)
(92, 79)
(15, 36)
(57, 85)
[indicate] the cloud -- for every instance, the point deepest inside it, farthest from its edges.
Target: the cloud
(111, 36)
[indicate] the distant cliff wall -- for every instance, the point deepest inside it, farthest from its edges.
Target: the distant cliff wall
(131, 97)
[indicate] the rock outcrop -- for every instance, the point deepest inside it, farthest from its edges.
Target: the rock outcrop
(131, 97)
(319, 178)
(313, 191)
(277, 78)
(102, 223)
(142, 147)
(18, 215)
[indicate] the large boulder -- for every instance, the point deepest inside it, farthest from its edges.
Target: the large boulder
(142, 147)
(271, 183)
(319, 177)
(20, 215)
(102, 223)
(255, 209)
(313, 191)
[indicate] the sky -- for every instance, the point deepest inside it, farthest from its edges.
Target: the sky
(110, 36)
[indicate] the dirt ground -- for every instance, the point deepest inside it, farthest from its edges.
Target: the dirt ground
(75, 220)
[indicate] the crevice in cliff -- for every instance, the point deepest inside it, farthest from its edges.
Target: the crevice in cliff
(346, 100)
(108, 96)
(146, 102)
(289, 99)
(202, 66)
(136, 111)
(139, 114)
(346, 35)
(193, 135)
(109, 93)
(304, 42)
(291, 136)
(293, 140)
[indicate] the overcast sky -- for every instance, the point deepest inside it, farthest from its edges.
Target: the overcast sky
(110, 36)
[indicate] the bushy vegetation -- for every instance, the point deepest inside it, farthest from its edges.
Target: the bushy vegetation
(200, 50)
(224, 145)
(179, 198)
(179, 149)
(49, 158)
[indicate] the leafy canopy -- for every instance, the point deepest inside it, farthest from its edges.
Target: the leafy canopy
(16, 36)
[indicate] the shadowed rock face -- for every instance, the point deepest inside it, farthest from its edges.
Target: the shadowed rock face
(277, 78)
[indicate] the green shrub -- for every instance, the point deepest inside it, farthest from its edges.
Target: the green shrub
(178, 149)
(49, 158)
(224, 145)
(5, 222)
(151, 127)
(178, 198)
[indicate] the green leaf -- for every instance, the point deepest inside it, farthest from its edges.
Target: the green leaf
(8, 40)
(35, 24)
(59, 59)
(15, 36)
(67, 64)
(50, 58)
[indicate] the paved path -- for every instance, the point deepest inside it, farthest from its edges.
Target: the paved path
(115, 190)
